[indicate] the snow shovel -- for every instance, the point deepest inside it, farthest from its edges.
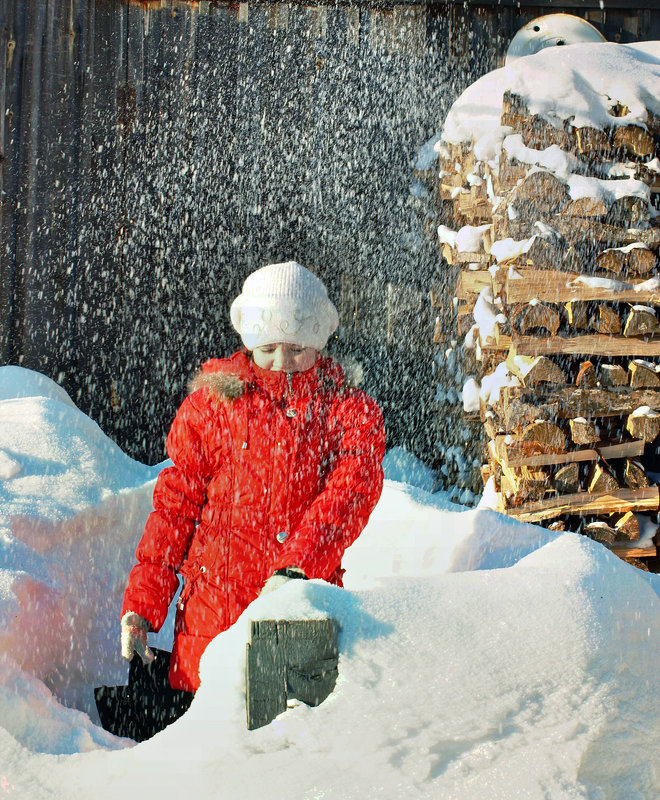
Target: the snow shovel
(147, 705)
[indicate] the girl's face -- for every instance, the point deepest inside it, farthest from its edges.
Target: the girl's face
(282, 357)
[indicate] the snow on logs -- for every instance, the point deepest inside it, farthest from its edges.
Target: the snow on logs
(552, 230)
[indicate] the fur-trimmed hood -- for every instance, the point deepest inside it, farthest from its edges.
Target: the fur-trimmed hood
(225, 385)
(227, 378)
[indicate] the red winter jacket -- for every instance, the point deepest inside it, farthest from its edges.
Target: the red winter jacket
(270, 471)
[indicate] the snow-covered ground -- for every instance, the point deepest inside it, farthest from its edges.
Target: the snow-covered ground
(479, 658)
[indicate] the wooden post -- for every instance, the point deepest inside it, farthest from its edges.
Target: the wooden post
(289, 659)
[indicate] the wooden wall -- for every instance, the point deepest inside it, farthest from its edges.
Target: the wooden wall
(153, 154)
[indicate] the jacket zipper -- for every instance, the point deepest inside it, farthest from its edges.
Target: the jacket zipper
(292, 460)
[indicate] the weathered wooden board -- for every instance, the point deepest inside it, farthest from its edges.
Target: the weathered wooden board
(288, 659)
(586, 231)
(453, 256)
(583, 504)
(633, 552)
(553, 286)
(471, 282)
(517, 453)
(597, 344)
(518, 407)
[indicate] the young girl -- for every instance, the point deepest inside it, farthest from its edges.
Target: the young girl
(276, 469)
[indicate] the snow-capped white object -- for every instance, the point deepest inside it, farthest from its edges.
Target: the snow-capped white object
(645, 411)
(595, 282)
(651, 285)
(447, 235)
(469, 341)
(486, 315)
(634, 246)
(523, 365)
(552, 158)
(607, 190)
(470, 238)
(545, 230)
(648, 364)
(580, 82)
(551, 30)
(493, 383)
(490, 499)
(470, 395)
(505, 249)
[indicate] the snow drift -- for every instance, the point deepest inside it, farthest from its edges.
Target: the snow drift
(478, 657)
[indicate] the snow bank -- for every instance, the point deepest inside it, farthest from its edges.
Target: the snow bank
(528, 681)
(19, 382)
(71, 506)
(479, 657)
(400, 465)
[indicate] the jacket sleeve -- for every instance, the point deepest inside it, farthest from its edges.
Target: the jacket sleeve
(339, 513)
(179, 496)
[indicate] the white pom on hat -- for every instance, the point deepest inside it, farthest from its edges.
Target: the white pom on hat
(284, 303)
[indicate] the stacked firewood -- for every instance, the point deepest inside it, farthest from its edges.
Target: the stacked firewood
(558, 293)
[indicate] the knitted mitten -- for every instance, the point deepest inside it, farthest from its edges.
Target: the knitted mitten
(281, 577)
(134, 630)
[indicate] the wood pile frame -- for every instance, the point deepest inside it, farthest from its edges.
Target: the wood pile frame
(577, 325)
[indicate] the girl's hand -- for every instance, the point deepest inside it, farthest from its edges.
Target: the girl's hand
(281, 577)
(134, 629)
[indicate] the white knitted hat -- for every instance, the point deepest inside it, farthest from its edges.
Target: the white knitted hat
(284, 303)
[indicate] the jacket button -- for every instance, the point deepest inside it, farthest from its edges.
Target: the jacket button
(281, 536)
(202, 569)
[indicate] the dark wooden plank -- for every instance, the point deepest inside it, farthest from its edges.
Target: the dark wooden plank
(7, 47)
(288, 659)
(520, 406)
(311, 654)
(265, 675)
(16, 20)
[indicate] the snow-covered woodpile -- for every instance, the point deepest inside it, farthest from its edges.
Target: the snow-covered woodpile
(550, 180)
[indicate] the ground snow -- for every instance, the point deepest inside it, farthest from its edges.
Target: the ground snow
(479, 657)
